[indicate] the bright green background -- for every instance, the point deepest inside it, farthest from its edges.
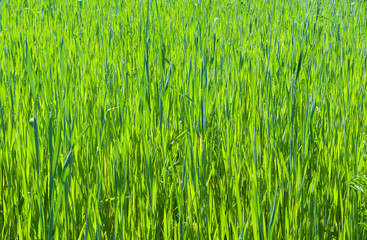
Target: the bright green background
(163, 119)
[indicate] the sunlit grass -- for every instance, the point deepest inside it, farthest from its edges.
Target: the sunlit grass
(162, 119)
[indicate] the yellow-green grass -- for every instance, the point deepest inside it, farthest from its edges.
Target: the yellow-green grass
(178, 119)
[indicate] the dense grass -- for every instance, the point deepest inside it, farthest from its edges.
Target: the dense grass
(163, 119)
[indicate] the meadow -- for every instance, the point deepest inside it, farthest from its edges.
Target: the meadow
(183, 119)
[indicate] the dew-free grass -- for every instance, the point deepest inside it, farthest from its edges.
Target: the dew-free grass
(163, 119)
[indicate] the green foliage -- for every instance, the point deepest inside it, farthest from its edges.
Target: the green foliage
(175, 119)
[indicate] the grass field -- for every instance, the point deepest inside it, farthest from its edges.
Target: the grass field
(179, 119)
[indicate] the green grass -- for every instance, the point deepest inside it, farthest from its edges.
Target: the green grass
(176, 119)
